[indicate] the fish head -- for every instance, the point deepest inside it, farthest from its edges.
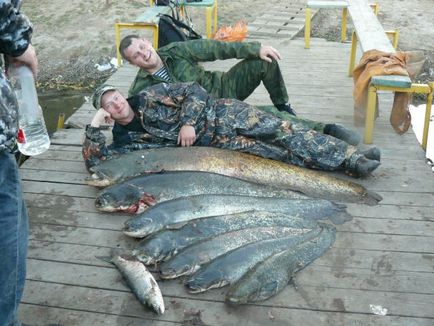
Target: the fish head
(174, 272)
(210, 279)
(128, 199)
(251, 289)
(139, 227)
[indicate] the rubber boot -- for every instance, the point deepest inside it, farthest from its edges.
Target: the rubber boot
(372, 153)
(340, 132)
(286, 108)
(364, 166)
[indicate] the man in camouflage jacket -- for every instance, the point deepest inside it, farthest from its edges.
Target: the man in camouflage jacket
(185, 114)
(179, 62)
(15, 34)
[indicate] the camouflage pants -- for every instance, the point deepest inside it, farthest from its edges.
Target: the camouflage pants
(243, 78)
(242, 127)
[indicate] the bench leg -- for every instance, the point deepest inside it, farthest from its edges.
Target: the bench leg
(155, 36)
(344, 25)
(370, 115)
(429, 101)
(117, 43)
(215, 16)
(395, 37)
(208, 15)
(375, 7)
(307, 29)
(352, 54)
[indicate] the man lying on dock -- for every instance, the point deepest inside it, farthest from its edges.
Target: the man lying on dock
(179, 62)
(184, 114)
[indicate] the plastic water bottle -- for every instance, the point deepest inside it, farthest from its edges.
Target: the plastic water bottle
(32, 135)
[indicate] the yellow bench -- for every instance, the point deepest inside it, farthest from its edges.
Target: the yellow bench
(371, 35)
(147, 20)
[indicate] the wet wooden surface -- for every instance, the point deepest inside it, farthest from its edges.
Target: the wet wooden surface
(383, 257)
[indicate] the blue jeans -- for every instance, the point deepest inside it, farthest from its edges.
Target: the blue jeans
(14, 230)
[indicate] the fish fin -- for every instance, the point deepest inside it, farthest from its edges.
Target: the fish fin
(107, 259)
(372, 198)
(113, 252)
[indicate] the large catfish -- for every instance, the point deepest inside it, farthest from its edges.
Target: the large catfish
(231, 163)
(138, 194)
(177, 212)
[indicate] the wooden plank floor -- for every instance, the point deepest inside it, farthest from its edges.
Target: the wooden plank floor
(383, 257)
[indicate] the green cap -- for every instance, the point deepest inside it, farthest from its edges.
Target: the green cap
(97, 95)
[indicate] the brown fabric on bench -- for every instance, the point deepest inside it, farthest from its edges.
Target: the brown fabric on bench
(377, 63)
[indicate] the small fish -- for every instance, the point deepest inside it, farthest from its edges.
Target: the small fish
(140, 281)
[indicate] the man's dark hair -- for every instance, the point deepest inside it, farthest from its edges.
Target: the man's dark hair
(125, 43)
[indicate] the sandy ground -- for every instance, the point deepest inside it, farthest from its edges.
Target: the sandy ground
(71, 37)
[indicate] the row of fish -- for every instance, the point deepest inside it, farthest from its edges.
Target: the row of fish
(218, 240)
(233, 219)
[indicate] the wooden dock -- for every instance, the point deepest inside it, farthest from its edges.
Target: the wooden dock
(383, 258)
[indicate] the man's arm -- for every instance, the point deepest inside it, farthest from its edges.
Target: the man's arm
(94, 147)
(15, 30)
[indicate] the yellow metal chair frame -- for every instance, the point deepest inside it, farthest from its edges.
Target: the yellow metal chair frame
(393, 34)
(136, 25)
(372, 100)
(211, 14)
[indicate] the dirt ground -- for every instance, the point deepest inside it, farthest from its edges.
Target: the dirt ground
(73, 37)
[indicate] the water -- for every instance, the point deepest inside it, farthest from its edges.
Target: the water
(33, 138)
(55, 102)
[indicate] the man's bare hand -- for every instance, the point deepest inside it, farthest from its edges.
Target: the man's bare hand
(186, 136)
(268, 53)
(28, 58)
(101, 116)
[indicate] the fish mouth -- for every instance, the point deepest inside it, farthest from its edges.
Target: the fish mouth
(97, 179)
(196, 288)
(172, 273)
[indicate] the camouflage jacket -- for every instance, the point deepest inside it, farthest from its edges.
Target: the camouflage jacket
(181, 60)
(15, 34)
(161, 111)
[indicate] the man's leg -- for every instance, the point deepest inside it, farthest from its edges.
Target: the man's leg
(13, 239)
(243, 78)
(311, 149)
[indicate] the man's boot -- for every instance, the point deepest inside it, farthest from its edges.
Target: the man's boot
(372, 153)
(362, 167)
(286, 108)
(340, 132)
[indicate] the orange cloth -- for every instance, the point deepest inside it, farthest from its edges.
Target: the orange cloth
(375, 63)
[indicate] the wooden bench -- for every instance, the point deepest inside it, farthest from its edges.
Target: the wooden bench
(370, 34)
(147, 20)
(321, 4)
(211, 12)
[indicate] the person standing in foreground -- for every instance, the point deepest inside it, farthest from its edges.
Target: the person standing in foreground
(15, 35)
